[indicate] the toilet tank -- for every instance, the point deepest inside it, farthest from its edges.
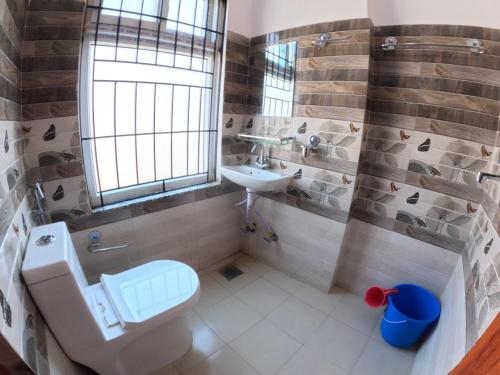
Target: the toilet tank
(55, 279)
(50, 253)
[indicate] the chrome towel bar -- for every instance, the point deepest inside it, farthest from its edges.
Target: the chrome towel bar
(474, 46)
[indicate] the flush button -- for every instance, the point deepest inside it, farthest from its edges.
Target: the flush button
(46, 240)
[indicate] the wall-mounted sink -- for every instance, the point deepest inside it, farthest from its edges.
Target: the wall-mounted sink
(255, 179)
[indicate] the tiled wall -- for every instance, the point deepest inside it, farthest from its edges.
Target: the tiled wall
(26, 344)
(199, 234)
(235, 109)
(50, 108)
(50, 112)
(433, 122)
(432, 127)
(330, 100)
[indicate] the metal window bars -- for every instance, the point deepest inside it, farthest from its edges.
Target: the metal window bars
(150, 87)
(279, 79)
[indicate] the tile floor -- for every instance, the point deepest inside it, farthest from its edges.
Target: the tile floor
(264, 322)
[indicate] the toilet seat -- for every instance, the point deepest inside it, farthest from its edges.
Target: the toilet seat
(150, 291)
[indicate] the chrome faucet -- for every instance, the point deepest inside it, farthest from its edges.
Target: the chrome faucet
(488, 176)
(262, 161)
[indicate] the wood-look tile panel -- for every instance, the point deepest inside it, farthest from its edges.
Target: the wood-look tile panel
(333, 62)
(43, 18)
(475, 119)
(333, 75)
(438, 84)
(332, 100)
(51, 47)
(440, 56)
(337, 113)
(329, 87)
(52, 33)
(50, 79)
(436, 98)
(48, 63)
(49, 110)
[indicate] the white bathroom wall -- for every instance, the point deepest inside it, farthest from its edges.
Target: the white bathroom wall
(445, 347)
(256, 17)
(199, 234)
(308, 245)
(372, 255)
(483, 13)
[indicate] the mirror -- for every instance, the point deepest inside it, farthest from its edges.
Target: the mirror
(274, 70)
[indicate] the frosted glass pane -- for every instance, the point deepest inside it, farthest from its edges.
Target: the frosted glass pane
(125, 149)
(145, 158)
(104, 119)
(163, 108)
(181, 108)
(163, 164)
(145, 108)
(179, 148)
(125, 108)
(106, 165)
(193, 156)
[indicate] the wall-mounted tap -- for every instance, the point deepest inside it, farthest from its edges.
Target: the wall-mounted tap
(314, 142)
(262, 161)
(38, 213)
(481, 176)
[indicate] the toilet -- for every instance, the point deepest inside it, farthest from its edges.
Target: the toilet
(129, 323)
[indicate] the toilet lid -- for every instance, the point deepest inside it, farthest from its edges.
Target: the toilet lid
(154, 288)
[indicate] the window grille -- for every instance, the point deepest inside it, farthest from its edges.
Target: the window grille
(150, 83)
(279, 79)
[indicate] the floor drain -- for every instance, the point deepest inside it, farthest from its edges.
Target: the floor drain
(230, 272)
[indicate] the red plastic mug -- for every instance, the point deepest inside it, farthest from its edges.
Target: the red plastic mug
(376, 296)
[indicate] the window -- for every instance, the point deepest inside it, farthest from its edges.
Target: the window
(279, 79)
(150, 78)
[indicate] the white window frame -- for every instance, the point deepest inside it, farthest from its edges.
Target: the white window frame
(101, 199)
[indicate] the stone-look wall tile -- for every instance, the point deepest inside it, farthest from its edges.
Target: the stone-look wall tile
(445, 347)
(308, 244)
(219, 237)
(388, 258)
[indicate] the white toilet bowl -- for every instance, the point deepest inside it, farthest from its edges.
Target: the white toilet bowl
(129, 323)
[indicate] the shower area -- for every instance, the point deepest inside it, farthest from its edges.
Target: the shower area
(357, 143)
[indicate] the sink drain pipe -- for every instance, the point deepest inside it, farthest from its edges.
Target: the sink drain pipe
(251, 213)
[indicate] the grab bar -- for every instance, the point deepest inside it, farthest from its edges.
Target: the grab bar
(473, 45)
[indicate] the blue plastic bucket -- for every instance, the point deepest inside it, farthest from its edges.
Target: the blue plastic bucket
(409, 314)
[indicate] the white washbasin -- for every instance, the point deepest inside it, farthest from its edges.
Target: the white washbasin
(254, 178)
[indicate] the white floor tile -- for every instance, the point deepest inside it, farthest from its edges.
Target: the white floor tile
(265, 347)
(338, 343)
(235, 284)
(169, 370)
(353, 311)
(297, 319)
(205, 343)
(376, 334)
(306, 362)
(262, 296)
(211, 292)
(283, 281)
(230, 318)
(224, 362)
(252, 265)
(380, 358)
(321, 301)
